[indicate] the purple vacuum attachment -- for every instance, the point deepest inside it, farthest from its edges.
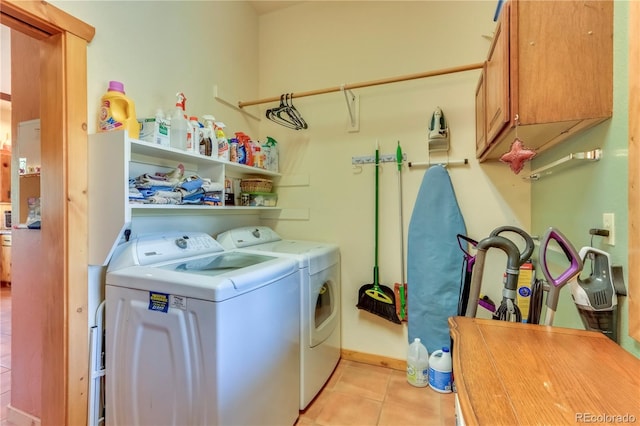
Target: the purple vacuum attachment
(556, 283)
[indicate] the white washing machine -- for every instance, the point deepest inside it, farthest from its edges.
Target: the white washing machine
(319, 272)
(196, 335)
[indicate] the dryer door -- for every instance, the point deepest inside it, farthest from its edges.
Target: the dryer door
(324, 303)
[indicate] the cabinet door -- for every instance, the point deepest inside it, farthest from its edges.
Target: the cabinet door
(6, 264)
(5, 177)
(481, 118)
(497, 79)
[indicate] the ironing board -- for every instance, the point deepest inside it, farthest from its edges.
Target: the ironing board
(434, 260)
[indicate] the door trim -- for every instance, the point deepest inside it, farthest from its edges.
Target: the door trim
(63, 110)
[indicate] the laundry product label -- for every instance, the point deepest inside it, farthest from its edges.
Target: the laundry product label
(178, 302)
(158, 301)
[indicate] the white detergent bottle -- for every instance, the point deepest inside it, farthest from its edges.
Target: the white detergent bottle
(440, 377)
(179, 125)
(417, 364)
(194, 135)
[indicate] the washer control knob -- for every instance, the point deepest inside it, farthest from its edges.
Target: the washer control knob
(182, 243)
(256, 233)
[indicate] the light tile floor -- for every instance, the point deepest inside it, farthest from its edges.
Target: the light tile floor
(356, 394)
(363, 395)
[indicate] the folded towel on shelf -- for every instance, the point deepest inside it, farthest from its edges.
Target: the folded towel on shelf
(155, 199)
(174, 188)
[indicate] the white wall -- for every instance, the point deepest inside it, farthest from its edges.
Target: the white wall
(160, 48)
(316, 45)
(310, 46)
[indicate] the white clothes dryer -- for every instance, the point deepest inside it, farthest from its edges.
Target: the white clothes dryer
(319, 275)
(196, 335)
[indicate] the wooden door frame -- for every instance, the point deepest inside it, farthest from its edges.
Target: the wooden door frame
(63, 115)
(634, 171)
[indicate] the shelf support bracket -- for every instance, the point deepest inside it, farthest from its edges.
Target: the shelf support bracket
(588, 156)
(353, 106)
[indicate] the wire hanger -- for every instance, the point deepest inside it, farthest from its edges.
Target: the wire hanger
(286, 114)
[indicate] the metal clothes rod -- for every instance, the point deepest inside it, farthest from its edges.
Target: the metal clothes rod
(440, 163)
(426, 74)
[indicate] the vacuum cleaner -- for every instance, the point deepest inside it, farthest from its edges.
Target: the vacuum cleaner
(595, 296)
(508, 309)
(556, 283)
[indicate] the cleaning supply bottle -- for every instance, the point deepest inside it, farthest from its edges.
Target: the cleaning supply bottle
(179, 124)
(224, 150)
(271, 152)
(194, 135)
(258, 157)
(440, 376)
(244, 149)
(208, 144)
(117, 111)
(417, 364)
(233, 150)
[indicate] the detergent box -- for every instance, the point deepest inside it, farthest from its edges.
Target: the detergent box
(161, 131)
(147, 129)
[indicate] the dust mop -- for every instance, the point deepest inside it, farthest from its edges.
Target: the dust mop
(375, 298)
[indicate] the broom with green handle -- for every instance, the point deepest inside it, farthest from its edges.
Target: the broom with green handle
(375, 298)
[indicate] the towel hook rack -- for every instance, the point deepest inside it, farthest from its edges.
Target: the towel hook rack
(568, 160)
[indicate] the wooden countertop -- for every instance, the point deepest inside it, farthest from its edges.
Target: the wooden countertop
(511, 373)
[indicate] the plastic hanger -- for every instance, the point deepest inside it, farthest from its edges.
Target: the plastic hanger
(275, 115)
(286, 114)
(294, 113)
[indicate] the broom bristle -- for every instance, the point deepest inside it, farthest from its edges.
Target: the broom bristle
(376, 307)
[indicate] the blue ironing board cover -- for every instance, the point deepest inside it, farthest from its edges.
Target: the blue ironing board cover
(434, 270)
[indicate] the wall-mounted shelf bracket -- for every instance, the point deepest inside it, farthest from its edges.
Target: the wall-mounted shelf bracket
(370, 159)
(217, 96)
(564, 162)
(353, 106)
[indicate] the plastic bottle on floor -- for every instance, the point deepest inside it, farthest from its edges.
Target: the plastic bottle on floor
(440, 370)
(417, 364)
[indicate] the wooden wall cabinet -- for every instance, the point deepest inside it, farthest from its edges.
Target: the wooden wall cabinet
(5, 176)
(481, 129)
(5, 259)
(550, 65)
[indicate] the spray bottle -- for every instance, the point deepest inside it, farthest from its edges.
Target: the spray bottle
(224, 151)
(179, 124)
(270, 148)
(195, 134)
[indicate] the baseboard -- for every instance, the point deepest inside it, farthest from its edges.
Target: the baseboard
(17, 417)
(396, 364)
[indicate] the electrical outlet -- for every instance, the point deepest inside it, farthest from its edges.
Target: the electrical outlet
(608, 223)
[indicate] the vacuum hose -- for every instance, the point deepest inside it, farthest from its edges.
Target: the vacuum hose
(528, 241)
(512, 271)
